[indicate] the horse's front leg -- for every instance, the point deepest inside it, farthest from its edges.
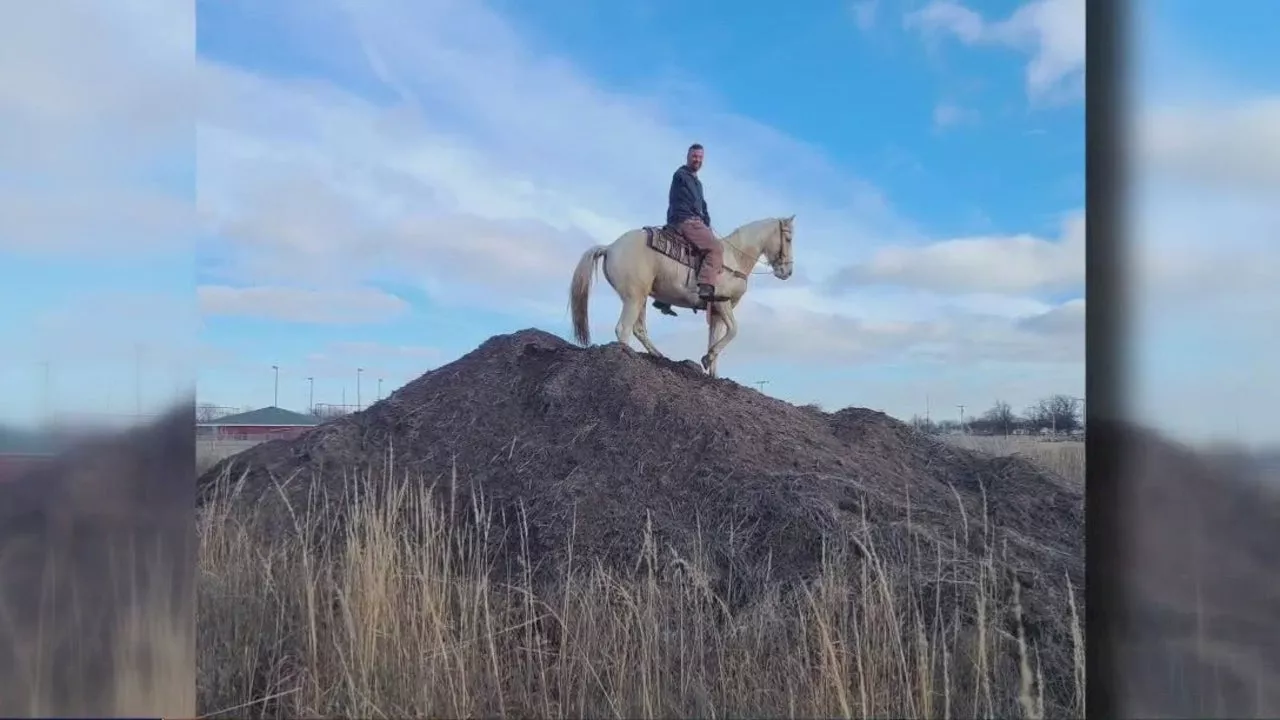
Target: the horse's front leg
(720, 315)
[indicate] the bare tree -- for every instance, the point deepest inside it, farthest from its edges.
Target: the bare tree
(999, 419)
(325, 411)
(207, 412)
(1059, 413)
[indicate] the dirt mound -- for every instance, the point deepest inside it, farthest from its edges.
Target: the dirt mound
(1198, 599)
(598, 444)
(98, 535)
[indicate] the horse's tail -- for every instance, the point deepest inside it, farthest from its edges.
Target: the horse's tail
(580, 290)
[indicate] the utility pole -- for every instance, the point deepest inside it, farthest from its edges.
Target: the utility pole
(961, 417)
(311, 395)
(379, 389)
(48, 408)
(275, 393)
(760, 385)
(359, 371)
(928, 422)
(137, 380)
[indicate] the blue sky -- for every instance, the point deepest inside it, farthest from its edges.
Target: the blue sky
(385, 184)
(444, 164)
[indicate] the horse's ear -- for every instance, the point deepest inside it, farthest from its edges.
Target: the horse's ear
(791, 219)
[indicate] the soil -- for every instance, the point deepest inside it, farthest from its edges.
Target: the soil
(595, 445)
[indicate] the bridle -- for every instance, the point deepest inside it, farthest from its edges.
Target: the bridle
(782, 243)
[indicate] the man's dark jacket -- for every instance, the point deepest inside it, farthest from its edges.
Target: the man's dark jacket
(685, 199)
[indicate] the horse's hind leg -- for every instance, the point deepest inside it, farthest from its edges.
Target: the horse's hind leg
(631, 310)
(641, 332)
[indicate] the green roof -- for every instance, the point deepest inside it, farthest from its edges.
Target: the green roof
(268, 416)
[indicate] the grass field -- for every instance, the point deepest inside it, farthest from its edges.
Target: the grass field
(209, 452)
(389, 626)
(1065, 457)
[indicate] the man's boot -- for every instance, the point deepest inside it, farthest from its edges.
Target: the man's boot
(664, 307)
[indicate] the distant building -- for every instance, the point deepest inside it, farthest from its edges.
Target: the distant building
(269, 423)
(21, 450)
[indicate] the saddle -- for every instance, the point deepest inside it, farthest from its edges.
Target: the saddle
(666, 240)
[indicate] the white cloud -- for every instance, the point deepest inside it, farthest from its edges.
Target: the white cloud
(864, 13)
(801, 327)
(95, 105)
(1016, 264)
(1232, 147)
(291, 304)
(947, 115)
(90, 222)
(1052, 32)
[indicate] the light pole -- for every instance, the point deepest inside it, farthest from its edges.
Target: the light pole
(275, 394)
(760, 384)
(379, 389)
(961, 417)
(311, 395)
(359, 372)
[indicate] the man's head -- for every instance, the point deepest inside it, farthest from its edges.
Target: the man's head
(694, 157)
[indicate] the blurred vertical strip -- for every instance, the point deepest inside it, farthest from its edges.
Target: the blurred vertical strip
(1105, 76)
(1198, 508)
(98, 324)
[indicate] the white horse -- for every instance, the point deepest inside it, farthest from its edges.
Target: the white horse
(637, 272)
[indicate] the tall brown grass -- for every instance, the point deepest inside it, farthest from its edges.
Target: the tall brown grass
(399, 613)
(1064, 457)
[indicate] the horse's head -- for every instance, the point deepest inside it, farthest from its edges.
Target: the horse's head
(779, 249)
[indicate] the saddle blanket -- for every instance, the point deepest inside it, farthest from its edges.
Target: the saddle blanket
(667, 241)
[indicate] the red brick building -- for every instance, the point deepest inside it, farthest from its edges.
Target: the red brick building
(268, 423)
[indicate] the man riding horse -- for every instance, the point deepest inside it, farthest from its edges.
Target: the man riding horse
(687, 215)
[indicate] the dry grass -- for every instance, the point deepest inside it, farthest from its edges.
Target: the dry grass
(209, 452)
(1065, 457)
(151, 666)
(400, 614)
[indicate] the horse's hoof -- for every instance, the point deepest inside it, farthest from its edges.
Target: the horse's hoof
(664, 308)
(706, 363)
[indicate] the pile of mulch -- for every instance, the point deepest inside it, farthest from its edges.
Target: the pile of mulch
(598, 444)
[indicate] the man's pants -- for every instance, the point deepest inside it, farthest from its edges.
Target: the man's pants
(696, 232)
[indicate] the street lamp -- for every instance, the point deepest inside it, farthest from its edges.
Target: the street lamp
(311, 395)
(275, 395)
(359, 371)
(379, 389)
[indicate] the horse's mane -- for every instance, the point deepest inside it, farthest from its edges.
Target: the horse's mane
(752, 225)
